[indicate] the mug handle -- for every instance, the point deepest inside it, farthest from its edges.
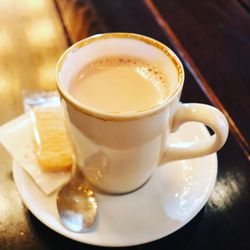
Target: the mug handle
(205, 114)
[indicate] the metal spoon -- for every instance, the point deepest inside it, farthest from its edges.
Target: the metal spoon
(76, 204)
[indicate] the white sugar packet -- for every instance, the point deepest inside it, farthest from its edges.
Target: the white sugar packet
(16, 137)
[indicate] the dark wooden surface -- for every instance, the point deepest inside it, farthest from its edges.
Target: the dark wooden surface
(216, 35)
(212, 39)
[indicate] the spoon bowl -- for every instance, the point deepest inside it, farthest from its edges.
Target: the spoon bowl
(77, 205)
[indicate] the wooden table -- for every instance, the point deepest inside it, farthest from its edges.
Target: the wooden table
(212, 38)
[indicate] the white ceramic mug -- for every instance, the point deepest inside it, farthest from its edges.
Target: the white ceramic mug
(118, 152)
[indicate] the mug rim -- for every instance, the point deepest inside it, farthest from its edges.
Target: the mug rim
(118, 116)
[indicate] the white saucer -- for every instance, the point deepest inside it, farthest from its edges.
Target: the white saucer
(170, 199)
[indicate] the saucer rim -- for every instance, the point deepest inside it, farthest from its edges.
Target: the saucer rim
(17, 169)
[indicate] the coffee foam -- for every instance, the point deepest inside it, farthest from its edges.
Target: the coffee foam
(147, 70)
(120, 84)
